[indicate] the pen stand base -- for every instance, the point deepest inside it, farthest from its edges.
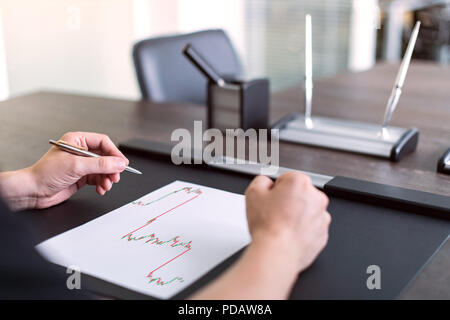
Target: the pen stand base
(391, 143)
(444, 163)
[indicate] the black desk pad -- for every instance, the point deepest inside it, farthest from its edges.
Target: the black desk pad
(361, 234)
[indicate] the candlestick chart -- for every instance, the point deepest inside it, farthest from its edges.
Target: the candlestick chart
(145, 233)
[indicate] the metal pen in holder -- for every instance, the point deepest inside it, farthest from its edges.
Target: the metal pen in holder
(380, 140)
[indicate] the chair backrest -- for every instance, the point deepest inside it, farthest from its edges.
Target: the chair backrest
(164, 74)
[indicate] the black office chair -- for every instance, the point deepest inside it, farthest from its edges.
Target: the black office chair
(165, 75)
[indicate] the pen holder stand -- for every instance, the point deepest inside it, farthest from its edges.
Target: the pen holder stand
(444, 163)
(238, 104)
(391, 142)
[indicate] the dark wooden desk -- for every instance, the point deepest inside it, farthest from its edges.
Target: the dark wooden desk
(28, 122)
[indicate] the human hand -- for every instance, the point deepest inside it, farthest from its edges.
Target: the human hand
(290, 213)
(59, 174)
(289, 224)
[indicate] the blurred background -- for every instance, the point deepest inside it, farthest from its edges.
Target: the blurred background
(84, 46)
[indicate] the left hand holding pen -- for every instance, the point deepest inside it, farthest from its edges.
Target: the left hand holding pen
(58, 174)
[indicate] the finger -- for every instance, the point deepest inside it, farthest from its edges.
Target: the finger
(82, 182)
(100, 190)
(315, 200)
(105, 182)
(114, 177)
(294, 178)
(322, 224)
(323, 199)
(321, 243)
(102, 165)
(315, 205)
(260, 183)
(98, 185)
(95, 141)
(91, 179)
(103, 143)
(327, 218)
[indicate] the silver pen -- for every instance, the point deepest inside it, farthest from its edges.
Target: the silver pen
(82, 152)
(308, 69)
(397, 90)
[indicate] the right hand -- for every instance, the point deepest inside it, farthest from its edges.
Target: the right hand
(290, 212)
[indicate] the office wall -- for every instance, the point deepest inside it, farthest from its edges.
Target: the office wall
(84, 46)
(209, 14)
(4, 84)
(284, 35)
(364, 23)
(69, 45)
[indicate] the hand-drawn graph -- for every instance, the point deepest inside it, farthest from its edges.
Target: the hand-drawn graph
(153, 239)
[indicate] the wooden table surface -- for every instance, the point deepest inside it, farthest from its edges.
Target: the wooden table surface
(27, 122)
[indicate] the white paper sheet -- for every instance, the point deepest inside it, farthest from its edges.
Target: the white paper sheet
(158, 244)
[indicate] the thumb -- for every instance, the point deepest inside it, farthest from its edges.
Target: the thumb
(101, 165)
(261, 184)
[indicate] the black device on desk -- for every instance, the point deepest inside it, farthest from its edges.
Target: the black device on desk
(232, 103)
(443, 165)
(373, 224)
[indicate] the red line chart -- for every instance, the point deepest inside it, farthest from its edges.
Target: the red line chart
(173, 242)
